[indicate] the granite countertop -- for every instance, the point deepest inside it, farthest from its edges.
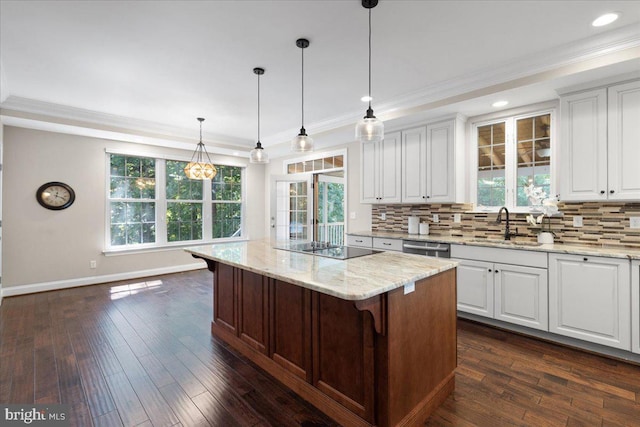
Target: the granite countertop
(591, 250)
(353, 279)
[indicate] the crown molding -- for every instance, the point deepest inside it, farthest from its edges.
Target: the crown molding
(596, 51)
(601, 49)
(63, 114)
(31, 121)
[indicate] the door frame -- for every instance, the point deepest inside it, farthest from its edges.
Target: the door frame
(297, 177)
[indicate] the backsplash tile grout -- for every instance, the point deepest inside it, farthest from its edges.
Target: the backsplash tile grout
(604, 223)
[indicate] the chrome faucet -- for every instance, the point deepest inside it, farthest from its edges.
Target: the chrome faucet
(507, 233)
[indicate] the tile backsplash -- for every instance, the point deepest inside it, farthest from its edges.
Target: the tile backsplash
(604, 223)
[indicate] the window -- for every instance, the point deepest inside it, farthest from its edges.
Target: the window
(132, 197)
(152, 203)
(510, 154)
(184, 204)
(226, 193)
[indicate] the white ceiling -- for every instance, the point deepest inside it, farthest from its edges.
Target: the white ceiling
(157, 65)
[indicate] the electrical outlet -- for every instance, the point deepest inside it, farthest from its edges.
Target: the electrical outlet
(436, 218)
(634, 222)
(352, 215)
(577, 221)
(92, 263)
(457, 217)
(383, 216)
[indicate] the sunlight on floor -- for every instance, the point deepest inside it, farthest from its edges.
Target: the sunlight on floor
(122, 291)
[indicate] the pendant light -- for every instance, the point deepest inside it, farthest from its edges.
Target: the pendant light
(258, 155)
(369, 129)
(302, 142)
(197, 168)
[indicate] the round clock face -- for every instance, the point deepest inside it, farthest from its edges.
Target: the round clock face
(55, 195)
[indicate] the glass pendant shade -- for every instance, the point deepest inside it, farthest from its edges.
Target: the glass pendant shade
(258, 155)
(200, 170)
(370, 129)
(302, 142)
(200, 166)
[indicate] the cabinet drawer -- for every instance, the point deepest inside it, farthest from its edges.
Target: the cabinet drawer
(387, 244)
(363, 241)
(505, 256)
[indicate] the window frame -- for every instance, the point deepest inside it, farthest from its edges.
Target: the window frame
(510, 118)
(160, 200)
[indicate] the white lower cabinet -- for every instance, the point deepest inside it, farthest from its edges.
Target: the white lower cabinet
(635, 306)
(589, 299)
(385, 244)
(507, 292)
(361, 241)
(475, 287)
(521, 295)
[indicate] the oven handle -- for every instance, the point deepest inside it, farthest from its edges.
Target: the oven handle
(425, 248)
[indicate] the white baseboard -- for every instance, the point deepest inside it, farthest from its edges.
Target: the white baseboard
(93, 280)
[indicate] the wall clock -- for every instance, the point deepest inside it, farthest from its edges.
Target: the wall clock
(55, 195)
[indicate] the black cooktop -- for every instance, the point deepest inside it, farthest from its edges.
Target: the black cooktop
(336, 252)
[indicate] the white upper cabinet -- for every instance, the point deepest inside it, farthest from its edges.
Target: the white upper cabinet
(380, 166)
(599, 146)
(429, 156)
(414, 165)
(624, 141)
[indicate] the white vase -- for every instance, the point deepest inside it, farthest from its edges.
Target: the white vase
(545, 237)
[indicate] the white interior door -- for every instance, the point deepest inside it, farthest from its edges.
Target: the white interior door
(292, 207)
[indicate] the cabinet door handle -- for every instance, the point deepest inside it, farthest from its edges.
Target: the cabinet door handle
(612, 191)
(602, 191)
(428, 197)
(386, 244)
(497, 271)
(585, 259)
(489, 270)
(358, 241)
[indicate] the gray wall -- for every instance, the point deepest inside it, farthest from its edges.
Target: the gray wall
(44, 249)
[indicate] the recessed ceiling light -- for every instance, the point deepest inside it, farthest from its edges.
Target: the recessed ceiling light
(605, 19)
(366, 98)
(498, 104)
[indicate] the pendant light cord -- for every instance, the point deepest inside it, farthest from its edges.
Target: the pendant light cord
(302, 53)
(258, 108)
(369, 58)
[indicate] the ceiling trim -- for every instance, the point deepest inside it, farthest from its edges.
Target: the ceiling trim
(30, 121)
(601, 49)
(98, 120)
(533, 68)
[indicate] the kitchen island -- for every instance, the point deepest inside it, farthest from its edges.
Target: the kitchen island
(369, 340)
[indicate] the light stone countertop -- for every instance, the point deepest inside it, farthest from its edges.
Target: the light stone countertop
(591, 250)
(353, 279)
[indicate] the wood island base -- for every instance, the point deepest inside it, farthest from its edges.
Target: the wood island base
(385, 361)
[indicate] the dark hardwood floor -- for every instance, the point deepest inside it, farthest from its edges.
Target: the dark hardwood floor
(140, 352)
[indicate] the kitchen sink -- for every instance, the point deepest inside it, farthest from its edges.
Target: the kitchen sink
(506, 242)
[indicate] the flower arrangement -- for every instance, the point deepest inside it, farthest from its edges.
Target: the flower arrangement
(548, 206)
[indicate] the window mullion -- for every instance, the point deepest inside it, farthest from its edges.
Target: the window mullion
(161, 202)
(510, 163)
